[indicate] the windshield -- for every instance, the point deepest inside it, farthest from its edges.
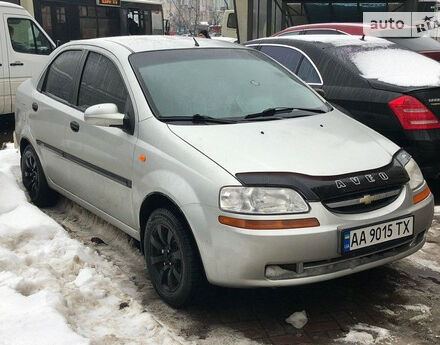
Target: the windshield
(219, 83)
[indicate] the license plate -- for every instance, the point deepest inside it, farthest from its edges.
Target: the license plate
(376, 234)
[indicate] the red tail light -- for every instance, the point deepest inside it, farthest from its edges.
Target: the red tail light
(412, 114)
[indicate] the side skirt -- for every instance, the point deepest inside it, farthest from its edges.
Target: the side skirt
(108, 218)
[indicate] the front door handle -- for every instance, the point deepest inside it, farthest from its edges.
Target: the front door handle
(17, 63)
(35, 106)
(74, 126)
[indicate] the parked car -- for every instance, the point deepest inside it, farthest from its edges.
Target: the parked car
(229, 24)
(392, 90)
(252, 180)
(24, 48)
(423, 45)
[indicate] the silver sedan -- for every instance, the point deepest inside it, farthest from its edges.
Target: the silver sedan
(223, 164)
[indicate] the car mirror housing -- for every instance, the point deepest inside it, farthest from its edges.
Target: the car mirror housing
(105, 115)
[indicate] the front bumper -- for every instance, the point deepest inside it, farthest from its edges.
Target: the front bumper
(239, 258)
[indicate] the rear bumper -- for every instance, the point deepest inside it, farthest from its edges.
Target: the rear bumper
(240, 258)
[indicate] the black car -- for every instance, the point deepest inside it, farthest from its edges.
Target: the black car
(408, 115)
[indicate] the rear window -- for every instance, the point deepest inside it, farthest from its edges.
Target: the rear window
(392, 66)
(60, 76)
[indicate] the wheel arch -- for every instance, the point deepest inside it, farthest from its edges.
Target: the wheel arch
(158, 200)
(24, 142)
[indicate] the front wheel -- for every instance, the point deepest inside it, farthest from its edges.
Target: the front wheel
(172, 258)
(34, 179)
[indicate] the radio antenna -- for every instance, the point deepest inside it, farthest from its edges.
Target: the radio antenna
(197, 43)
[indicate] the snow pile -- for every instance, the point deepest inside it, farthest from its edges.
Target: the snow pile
(398, 67)
(366, 335)
(55, 290)
(298, 319)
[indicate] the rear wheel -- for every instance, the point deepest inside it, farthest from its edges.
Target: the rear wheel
(34, 179)
(172, 258)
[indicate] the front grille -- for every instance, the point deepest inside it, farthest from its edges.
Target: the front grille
(363, 202)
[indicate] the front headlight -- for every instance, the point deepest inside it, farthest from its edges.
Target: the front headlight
(262, 200)
(416, 178)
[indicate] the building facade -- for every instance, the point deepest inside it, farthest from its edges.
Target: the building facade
(66, 20)
(261, 18)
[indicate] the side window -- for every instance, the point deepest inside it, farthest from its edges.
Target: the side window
(101, 83)
(292, 33)
(308, 73)
(44, 47)
(60, 76)
(27, 38)
(321, 32)
(288, 57)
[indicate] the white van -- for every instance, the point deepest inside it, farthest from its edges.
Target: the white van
(229, 24)
(24, 49)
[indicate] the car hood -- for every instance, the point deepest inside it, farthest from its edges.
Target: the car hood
(319, 145)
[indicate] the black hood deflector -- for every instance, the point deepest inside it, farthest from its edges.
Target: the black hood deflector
(326, 188)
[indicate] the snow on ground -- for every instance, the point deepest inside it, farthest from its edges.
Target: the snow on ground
(298, 319)
(55, 290)
(363, 334)
(423, 311)
(96, 286)
(386, 65)
(426, 264)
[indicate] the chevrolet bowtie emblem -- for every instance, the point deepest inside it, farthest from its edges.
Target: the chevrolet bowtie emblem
(367, 199)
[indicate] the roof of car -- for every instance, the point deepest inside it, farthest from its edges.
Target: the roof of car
(329, 40)
(136, 44)
(327, 25)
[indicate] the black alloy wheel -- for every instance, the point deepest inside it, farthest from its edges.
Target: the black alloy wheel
(166, 258)
(34, 179)
(172, 258)
(31, 179)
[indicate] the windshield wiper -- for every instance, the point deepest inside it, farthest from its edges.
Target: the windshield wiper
(273, 111)
(196, 118)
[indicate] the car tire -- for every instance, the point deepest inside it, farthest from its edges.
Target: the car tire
(34, 179)
(172, 258)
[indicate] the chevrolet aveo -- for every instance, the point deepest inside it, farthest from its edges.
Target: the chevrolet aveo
(223, 164)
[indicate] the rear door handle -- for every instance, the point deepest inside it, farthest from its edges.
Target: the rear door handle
(35, 106)
(74, 126)
(17, 63)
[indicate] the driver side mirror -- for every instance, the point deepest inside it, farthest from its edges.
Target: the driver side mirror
(104, 115)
